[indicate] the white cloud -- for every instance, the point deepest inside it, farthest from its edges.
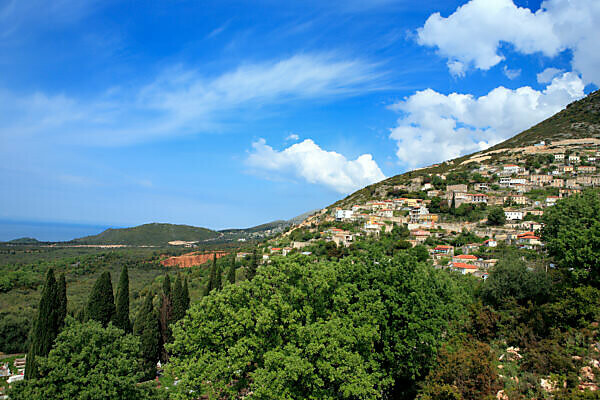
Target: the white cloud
(310, 162)
(548, 74)
(436, 127)
(511, 73)
(473, 34)
(292, 137)
(182, 101)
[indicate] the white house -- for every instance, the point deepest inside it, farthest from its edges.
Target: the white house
(342, 215)
(559, 157)
(574, 159)
(513, 215)
(511, 169)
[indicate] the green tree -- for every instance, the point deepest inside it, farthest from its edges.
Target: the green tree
(46, 325)
(122, 307)
(253, 266)
(512, 279)
(101, 303)
(186, 294)
(62, 300)
(87, 362)
(572, 236)
(363, 327)
(147, 328)
(453, 204)
(231, 269)
(496, 216)
(179, 307)
(214, 277)
(165, 316)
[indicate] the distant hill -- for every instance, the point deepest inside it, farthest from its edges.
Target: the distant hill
(25, 240)
(154, 234)
(579, 120)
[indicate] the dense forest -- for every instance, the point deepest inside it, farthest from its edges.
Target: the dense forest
(375, 321)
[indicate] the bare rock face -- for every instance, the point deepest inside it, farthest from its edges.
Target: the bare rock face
(191, 259)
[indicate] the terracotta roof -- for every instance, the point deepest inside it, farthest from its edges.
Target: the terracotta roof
(463, 266)
(443, 247)
(466, 257)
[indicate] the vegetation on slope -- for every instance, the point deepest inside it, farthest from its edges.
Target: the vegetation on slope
(154, 234)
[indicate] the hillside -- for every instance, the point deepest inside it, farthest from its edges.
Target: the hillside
(25, 240)
(154, 234)
(579, 120)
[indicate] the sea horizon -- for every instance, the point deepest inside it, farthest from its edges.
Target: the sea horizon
(46, 231)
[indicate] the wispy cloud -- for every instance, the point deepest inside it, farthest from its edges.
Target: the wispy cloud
(183, 101)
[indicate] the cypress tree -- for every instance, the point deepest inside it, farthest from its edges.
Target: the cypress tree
(147, 327)
(101, 303)
(186, 294)
(231, 270)
(212, 277)
(253, 267)
(165, 316)
(218, 274)
(453, 204)
(62, 300)
(122, 307)
(178, 300)
(46, 326)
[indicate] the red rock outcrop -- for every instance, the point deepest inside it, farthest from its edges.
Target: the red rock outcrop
(191, 259)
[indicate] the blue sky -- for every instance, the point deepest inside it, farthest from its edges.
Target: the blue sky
(233, 113)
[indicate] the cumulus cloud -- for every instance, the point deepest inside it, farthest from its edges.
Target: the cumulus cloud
(310, 162)
(473, 34)
(436, 127)
(182, 101)
(548, 74)
(292, 137)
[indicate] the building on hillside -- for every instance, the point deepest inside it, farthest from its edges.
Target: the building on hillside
(513, 215)
(551, 200)
(565, 169)
(529, 242)
(343, 215)
(559, 157)
(558, 182)
(477, 198)
(482, 187)
(463, 268)
(457, 188)
(386, 213)
(420, 235)
(510, 169)
(574, 159)
(541, 180)
(490, 243)
(470, 247)
(342, 238)
(286, 250)
(464, 258)
(517, 199)
(586, 169)
(485, 264)
(443, 249)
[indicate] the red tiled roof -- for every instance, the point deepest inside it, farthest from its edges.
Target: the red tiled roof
(525, 234)
(463, 266)
(466, 257)
(443, 247)
(529, 237)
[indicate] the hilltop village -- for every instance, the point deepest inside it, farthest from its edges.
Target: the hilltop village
(459, 210)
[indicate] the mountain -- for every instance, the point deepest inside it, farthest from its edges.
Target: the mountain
(579, 120)
(154, 234)
(25, 240)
